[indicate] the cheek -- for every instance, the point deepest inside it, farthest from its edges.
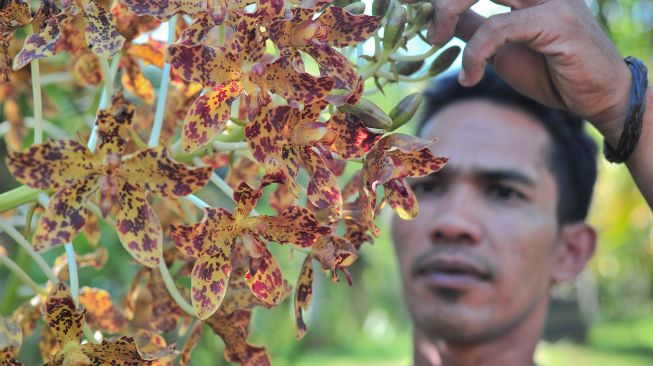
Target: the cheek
(527, 257)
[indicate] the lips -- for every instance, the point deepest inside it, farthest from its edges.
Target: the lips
(451, 271)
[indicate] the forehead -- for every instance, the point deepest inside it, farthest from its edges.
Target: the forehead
(478, 134)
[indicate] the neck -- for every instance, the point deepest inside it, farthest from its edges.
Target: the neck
(515, 347)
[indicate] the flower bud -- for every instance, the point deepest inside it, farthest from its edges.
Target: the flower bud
(405, 110)
(423, 14)
(444, 60)
(355, 8)
(380, 7)
(407, 68)
(394, 28)
(369, 113)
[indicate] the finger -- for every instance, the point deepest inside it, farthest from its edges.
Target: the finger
(445, 17)
(520, 26)
(468, 24)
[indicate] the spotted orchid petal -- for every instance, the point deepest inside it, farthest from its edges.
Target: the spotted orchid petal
(346, 29)
(264, 279)
(281, 78)
(43, 43)
(233, 328)
(208, 115)
(102, 38)
(65, 216)
(209, 281)
(54, 164)
(166, 9)
(112, 124)
(303, 295)
(352, 140)
(62, 316)
(216, 229)
(100, 311)
(138, 228)
(295, 226)
(122, 351)
(209, 66)
(11, 338)
(154, 171)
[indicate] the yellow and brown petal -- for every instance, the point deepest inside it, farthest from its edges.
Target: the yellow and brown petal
(11, 338)
(233, 328)
(303, 295)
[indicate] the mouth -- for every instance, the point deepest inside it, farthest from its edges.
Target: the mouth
(451, 271)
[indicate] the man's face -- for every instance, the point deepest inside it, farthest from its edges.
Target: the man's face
(479, 257)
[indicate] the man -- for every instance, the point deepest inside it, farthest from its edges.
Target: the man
(498, 226)
(504, 221)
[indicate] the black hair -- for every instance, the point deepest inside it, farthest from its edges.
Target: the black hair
(573, 154)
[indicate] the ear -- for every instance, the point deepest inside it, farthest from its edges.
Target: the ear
(577, 244)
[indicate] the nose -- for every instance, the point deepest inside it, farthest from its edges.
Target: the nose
(457, 219)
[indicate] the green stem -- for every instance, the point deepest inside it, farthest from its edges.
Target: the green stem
(230, 146)
(392, 77)
(18, 238)
(374, 69)
(174, 291)
(38, 105)
(163, 92)
(410, 58)
(197, 201)
(17, 197)
(12, 283)
(108, 79)
(16, 270)
(72, 270)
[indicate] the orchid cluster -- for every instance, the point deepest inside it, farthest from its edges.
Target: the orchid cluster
(272, 92)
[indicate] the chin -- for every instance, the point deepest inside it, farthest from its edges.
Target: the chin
(453, 322)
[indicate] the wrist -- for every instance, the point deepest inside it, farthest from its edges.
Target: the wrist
(610, 122)
(632, 126)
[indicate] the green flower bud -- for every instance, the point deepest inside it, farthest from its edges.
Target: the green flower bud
(380, 7)
(369, 113)
(356, 8)
(423, 14)
(444, 60)
(407, 68)
(405, 110)
(394, 28)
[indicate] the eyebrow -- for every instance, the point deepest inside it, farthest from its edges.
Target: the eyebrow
(505, 175)
(509, 175)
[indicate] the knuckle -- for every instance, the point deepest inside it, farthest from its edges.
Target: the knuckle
(495, 24)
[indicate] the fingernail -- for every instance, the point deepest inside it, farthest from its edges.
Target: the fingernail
(462, 77)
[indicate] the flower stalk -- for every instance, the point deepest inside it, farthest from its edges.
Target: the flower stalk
(18, 238)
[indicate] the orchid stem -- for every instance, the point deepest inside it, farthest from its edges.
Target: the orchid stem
(18, 238)
(410, 58)
(163, 92)
(108, 79)
(197, 201)
(38, 104)
(17, 197)
(15, 269)
(230, 146)
(72, 269)
(174, 291)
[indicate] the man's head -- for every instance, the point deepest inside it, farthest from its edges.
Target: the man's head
(503, 221)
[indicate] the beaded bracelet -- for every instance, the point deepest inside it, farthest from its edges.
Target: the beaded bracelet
(636, 107)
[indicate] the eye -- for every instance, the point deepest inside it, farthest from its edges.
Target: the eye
(503, 192)
(427, 187)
